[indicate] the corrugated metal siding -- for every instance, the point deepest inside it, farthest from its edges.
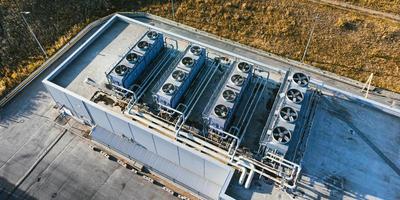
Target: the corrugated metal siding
(175, 172)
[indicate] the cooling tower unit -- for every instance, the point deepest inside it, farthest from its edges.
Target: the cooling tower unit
(181, 76)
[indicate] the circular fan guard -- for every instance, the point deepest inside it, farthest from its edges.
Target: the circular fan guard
(178, 75)
(168, 88)
(229, 95)
(152, 35)
(288, 114)
(196, 50)
(143, 45)
(295, 95)
(121, 69)
(187, 61)
(237, 79)
(281, 134)
(301, 79)
(132, 57)
(221, 111)
(244, 67)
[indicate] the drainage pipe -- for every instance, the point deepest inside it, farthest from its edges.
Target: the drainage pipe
(242, 175)
(250, 177)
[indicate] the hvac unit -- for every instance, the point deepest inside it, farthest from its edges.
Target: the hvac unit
(287, 113)
(182, 76)
(124, 73)
(129, 69)
(229, 96)
(150, 45)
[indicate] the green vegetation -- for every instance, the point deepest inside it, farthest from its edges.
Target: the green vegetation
(344, 42)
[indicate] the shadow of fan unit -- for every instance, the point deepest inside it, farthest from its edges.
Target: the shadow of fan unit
(181, 77)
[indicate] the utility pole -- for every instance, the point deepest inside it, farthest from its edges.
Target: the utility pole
(173, 11)
(309, 38)
(32, 33)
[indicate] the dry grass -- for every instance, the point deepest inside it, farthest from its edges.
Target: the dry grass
(390, 6)
(344, 42)
(12, 77)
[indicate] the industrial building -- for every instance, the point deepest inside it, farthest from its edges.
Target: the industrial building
(203, 117)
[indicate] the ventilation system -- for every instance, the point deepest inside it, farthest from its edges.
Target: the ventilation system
(301, 79)
(286, 113)
(188, 61)
(229, 94)
(143, 45)
(152, 35)
(168, 88)
(136, 60)
(221, 111)
(182, 75)
(244, 67)
(132, 57)
(237, 79)
(294, 95)
(121, 70)
(178, 75)
(281, 135)
(195, 50)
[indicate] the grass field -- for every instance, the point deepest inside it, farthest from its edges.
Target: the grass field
(343, 42)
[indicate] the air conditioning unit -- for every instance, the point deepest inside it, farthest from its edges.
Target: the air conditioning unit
(229, 95)
(287, 113)
(181, 76)
(150, 45)
(129, 69)
(125, 72)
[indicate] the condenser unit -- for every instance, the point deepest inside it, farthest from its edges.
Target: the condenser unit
(125, 72)
(287, 113)
(229, 95)
(181, 76)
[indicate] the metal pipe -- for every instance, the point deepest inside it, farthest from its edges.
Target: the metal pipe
(242, 175)
(250, 177)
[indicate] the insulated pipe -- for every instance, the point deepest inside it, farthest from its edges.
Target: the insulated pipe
(242, 175)
(250, 177)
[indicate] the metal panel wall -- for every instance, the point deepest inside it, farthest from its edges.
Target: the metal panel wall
(59, 97)
(215, 173)
(143, 137)
(167, 150)
(99, 117)
(120, 126)
(79, 107)
(191, 162)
